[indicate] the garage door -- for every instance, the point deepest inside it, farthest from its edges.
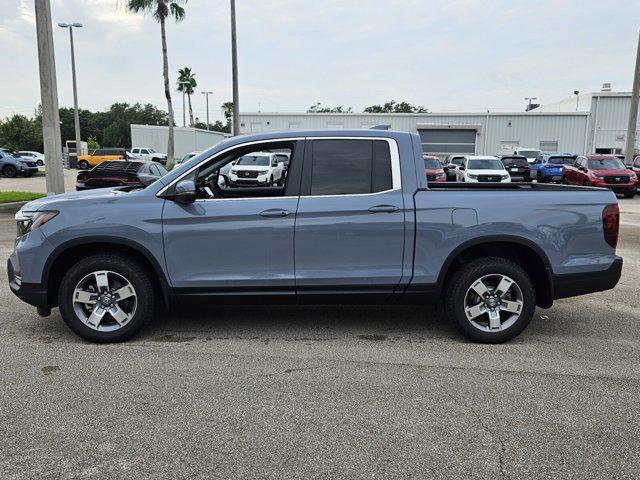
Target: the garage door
(448, 140)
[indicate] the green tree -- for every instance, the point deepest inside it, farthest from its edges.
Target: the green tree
(394, 107)
(318, 108)
(92, 144)
(187, 84)
(161, 11)
(19, 132)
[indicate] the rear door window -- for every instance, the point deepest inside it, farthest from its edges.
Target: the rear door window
(350, 167)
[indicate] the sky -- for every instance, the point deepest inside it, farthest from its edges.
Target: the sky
(453, 56)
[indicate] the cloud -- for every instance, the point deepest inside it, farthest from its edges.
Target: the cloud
(456, 55)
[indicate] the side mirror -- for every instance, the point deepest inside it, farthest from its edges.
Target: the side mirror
(629, 167)
(461, 167)
(184, 192)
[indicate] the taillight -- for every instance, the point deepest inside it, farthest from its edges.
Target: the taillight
(611, 224)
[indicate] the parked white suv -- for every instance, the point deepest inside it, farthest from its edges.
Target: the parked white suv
(149, 154)
(530, 153)
(477, 168)
(35, 156)
(258, 168)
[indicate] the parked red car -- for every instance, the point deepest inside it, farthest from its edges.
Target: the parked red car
(433, 169)
(602, 171)
(635, 166)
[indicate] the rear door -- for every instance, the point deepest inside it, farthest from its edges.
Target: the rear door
(349, 234)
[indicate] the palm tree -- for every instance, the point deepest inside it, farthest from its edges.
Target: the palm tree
(187, 84)
(161, 10)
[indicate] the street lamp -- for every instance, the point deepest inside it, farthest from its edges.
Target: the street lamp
(207, 95)
(184, 108)
(577, 93)
(76, 113)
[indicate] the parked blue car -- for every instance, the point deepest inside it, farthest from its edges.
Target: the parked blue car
(11, 166)
(549, 167)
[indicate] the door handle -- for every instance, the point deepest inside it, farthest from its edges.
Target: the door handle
(275, 212)
(384, 208)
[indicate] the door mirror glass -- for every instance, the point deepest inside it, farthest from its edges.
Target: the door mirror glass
(461, 167)
(184, 192)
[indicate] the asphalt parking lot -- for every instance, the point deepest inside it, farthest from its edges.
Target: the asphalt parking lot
(37, 183)
(326, 392)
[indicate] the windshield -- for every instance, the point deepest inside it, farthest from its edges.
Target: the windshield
(257, 160)
(151, 150)
(432, 164)
(606, 164)
(562, 160)
(486, 164)
(457, 161)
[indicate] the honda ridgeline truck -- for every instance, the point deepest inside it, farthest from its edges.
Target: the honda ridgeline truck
(355, 221)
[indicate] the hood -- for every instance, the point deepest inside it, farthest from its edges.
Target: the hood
(250, 167)
(433, 171)
(486, 172)
(57, 200)
(611, 173)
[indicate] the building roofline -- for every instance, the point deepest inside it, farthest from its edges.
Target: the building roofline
(419, 115)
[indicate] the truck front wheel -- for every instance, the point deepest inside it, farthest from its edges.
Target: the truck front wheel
(106, 298)
(491, 300)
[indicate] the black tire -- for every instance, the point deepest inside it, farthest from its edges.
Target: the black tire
(10, 171)
(630, 195)
(40, 163)
(462, 280)
(131, 270)
(83, 165)
(271, 183)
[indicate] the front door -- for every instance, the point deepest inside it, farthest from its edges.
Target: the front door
(349, 234)
(233, 240)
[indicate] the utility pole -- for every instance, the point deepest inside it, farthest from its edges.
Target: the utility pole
(234, 68)
(206, 94)
(49, 99)
(76, 112)
(633, 114)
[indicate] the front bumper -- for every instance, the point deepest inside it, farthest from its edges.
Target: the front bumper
(574, 284)
(617, 187)
(32, 293)
(24, 170)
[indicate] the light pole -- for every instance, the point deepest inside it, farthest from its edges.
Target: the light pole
(207, 95)
(633, 111)
(184, 107)
(234, 68)
(76, 113)
(577, 93)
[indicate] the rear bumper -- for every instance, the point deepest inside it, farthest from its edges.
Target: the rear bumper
(32, 293)
(575, 284)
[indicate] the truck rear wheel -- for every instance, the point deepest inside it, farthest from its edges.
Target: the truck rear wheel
(490, 300)
(106, 298)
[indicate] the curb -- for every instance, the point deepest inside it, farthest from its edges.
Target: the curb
(11, 207)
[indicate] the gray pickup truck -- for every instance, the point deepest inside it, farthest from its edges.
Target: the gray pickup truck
(354, 221)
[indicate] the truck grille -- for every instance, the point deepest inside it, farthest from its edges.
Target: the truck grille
(248, 174)
(616, 179)
(489, 178)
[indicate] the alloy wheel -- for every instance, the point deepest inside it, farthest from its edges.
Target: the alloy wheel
(105, 301)
(493, 303)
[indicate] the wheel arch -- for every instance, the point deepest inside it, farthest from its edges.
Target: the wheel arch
(521, 250)
(67, 254)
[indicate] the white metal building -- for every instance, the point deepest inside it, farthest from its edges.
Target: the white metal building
(598, 126)
(185, 139)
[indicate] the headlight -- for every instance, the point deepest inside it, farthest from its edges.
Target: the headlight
(263, 172)
(599, 177)
(234, 171)
(472, 176)
(633, 176)
(28, 221)
(504, 177)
